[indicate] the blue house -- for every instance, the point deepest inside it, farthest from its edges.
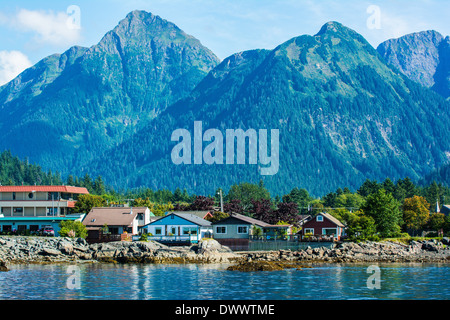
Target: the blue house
(178, 227)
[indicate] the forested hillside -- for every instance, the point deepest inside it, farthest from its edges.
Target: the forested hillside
(343, 114)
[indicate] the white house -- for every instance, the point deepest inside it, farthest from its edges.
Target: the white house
(178, 227)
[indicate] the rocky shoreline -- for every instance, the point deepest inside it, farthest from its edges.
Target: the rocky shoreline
(38, 250)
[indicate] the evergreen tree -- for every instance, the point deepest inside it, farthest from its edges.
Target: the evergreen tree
(384, 209)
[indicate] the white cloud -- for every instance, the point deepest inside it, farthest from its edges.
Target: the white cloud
(12, 63)
(50, 27)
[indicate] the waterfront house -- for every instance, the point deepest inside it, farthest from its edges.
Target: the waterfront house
(118, 220)
(31, 208)
(201, 214)
(237, 226)
(323, 224)
(178, 227)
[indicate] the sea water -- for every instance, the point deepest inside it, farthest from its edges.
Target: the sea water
(214, 282)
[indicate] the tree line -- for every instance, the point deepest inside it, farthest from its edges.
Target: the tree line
(375, 209)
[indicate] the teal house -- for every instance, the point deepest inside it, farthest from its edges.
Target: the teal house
(178, 227)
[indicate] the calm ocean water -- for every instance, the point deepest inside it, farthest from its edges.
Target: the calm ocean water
(214, 282)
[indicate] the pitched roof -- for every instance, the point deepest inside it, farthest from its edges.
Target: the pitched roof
(332, 219)
(186, 216)
(246, 219)
(64, 189)
(200, 214)
(193, 218)
(113, 216)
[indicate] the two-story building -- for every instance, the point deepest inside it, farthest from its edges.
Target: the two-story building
(33, 207)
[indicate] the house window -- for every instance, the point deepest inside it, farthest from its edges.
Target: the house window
(309, 230)
(192, 231)
(329, 231)
(158, 231)
(51, 212)
(242, 229)
(18, 210)
(319, 219)
(173, 230)
(221, 230)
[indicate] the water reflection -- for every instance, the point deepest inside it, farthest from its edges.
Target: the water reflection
(200, 282)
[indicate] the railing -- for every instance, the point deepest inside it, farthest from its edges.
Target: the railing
(319, 238)
(271, 237)
(99, 237)
(173, 238)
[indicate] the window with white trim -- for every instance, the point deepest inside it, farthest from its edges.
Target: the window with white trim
(242, 229)
(319, 218)
(189, 230)
(221, 230)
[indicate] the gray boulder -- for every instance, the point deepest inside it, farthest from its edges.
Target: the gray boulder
(3, 266)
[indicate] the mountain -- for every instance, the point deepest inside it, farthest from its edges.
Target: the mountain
(424, 57)
(69, 107)
(440, 175)
(343, 114)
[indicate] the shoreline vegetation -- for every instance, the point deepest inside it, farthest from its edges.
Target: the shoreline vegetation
(36, 250)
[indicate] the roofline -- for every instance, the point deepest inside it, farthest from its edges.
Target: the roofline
(56, 188)
(178, 217)
(37, 218)
(245, 222)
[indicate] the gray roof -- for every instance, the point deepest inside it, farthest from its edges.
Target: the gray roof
(187, 216)
(193, 218)
(246, 219)
(199, 214)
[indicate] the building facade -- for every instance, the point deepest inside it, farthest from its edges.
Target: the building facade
(38, 201)
(178, 226)
(324, 224)
(118, 219)
(30, 208)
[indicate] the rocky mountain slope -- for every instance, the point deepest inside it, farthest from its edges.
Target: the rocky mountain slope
(423, 57)
(344, 116)
(68, 107)
(343, 111)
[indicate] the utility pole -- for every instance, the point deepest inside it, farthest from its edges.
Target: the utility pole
(221, 200)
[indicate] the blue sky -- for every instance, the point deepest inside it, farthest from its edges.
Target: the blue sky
(31, 30)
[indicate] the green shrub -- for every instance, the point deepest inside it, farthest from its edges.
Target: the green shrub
(67, 228)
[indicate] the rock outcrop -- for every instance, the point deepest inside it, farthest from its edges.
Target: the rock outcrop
(3, 266)
(14, 250)
(61, 250)
(415, 251)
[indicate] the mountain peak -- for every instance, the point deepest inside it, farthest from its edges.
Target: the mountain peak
(334, 29)
(141, 22)
(331, 26)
